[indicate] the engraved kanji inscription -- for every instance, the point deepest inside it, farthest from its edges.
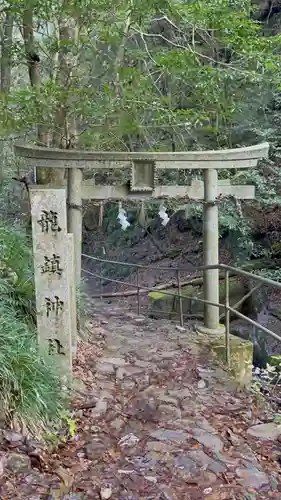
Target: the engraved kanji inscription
(49, 222)
(53, 306)
(51, 265)
(55, 347)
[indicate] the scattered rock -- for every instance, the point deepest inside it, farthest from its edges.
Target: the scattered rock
(140, 319)
(204, 424)
(270, 431)
(128, 371)
(209, 440)
(158, 446)
(95, 449)
(144, 463)
(247, 454)
(207, 491)
(13, 438)
(100, 409)
(114, 361)
(106, 395)
(180, 328)
(106, 368)
(18, 463)
(142, 364)
(200, 458)
(252, 478)
(186, 464)
(205, 373)
(151, 479)
(164, 398)
(143, 409)
(120, 373)
(201, 384)
(170, 435)
(128, 440)
(167, 354)
(167, 493)
(180, 393)
(79, 386)
(76, 496)
(106, 493)
(170, 412)
(107, 385)
(117, 424)
(128, 385)
(142, 381)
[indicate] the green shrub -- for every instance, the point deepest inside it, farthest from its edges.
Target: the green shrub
(29, 389)
(16, 258)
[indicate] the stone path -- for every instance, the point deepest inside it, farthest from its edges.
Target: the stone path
(157, 421)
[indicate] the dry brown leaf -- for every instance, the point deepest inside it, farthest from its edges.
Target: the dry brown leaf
(113, 453)
(233, 438)
(67, 479)
(2, 464)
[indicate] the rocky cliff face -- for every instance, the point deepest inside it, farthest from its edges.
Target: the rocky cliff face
(269, 13)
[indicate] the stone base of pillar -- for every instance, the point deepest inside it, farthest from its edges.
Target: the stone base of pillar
(211, 331)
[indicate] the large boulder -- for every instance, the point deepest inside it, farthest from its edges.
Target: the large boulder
(161, 303)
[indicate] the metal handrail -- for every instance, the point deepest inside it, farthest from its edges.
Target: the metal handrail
(227, 308)
(266, 281)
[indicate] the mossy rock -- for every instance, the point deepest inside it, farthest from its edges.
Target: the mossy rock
(161, 305)
(171, 304)
(189, 306)
(236, 292)
(241, 356)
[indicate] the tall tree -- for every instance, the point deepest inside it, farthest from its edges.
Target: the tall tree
(6, 51)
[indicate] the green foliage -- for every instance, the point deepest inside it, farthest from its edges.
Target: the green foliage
(16, 255)
(83, 302)
(150, 75)
(64, 430)
(30, 391)
(275, 361)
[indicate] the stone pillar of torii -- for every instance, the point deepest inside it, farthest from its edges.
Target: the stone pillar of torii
(141, 186)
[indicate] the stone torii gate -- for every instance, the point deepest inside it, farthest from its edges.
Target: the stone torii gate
(143, 167)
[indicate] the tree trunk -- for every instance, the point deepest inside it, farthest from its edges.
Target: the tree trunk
(64, 134)
(6, 53)
(43, 175)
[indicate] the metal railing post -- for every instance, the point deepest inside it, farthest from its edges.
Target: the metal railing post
(180, 297)
(138, 289)
(227, 317)
(101, 269)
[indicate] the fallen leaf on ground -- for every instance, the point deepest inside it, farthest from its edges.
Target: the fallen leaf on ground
(233, 438)
(67, 479)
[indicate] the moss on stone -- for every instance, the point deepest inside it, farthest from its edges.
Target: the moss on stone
(189, 306)
(158, 295)
(275, 361)
(241, 356)
(161, 305)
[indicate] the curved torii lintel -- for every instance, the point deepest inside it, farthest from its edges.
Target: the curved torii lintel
(65, 158)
